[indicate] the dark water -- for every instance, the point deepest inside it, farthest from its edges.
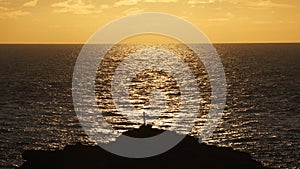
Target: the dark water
(261, 116)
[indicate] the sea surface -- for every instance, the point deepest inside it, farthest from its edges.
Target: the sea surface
(261, 115)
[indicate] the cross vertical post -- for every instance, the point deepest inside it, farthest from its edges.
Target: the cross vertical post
(144, 116)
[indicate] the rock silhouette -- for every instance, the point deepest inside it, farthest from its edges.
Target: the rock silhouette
(187, 154)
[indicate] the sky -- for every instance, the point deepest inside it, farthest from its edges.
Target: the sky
(222, 21)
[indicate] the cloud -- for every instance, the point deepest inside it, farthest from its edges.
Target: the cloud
(31, 3)
(74, 7)
(261, 22)
(195, 2)
(257, 4)
(126, 3)
(133, 11)
(5, 3)
(3, 8)
(104, 6)
(13, 14)
(160, 1)
(135, 2)
(230, 15)
(218, 19)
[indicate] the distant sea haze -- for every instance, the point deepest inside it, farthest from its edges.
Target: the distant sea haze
(261, 116)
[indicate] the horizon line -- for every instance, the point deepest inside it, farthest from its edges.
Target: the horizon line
(80, 43)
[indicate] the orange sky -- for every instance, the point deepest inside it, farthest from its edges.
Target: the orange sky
(74, 21)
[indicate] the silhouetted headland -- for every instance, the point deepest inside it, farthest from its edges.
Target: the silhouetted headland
(187, 154)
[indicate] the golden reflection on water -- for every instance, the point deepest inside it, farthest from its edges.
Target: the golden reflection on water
(147, 82)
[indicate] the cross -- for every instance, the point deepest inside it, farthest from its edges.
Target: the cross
(144, 116)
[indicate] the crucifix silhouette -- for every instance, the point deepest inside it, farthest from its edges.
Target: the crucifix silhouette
(144, 116)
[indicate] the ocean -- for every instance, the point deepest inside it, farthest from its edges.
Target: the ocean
(261, 116)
